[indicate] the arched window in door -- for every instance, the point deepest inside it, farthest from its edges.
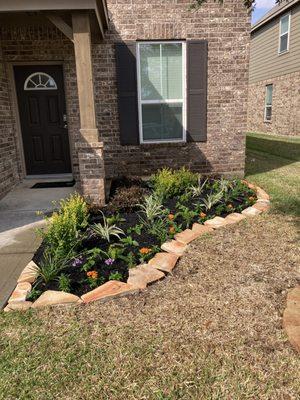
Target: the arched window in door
(40, 81)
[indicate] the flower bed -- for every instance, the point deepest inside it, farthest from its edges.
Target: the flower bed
(89, 253)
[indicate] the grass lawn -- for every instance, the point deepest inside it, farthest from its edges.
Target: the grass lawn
(275, 165)
(210, 331)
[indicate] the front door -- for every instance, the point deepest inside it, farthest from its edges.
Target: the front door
(41, 99)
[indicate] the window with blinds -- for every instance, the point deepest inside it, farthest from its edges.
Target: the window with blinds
(161, 91)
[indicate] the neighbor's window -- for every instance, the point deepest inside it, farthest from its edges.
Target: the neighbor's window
(284, 33)
(161, 90)
(268, 102)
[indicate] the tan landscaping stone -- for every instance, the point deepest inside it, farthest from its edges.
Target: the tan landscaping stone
(201, 229)
(251, 212)
(141, 276)
(20, 293)
(216, 222)
(234, 218)
(53, 297)
(29, 273)
(294, 295)
(26, 286)
(108, 290)
(17, 296)
(291, 317)
(164, 261)
(250, 185)
(174, 247)
(186, 236)
(261, 206)
(261, 194)
(293, 333)
(19, 305)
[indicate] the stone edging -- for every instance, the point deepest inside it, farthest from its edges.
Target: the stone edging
(139, 277)
(291, 317)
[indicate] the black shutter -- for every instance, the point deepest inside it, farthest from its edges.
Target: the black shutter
(127, 92)
(196, 90)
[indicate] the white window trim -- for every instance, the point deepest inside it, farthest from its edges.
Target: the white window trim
(42, 87)
(268, 106)
(184, 99)
(281, 34)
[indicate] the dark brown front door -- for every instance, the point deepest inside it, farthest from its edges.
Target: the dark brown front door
(41, 99)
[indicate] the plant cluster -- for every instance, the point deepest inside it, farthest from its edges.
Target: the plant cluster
(84, 248)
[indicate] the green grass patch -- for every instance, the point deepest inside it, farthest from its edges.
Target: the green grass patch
(279, 176)
(282, 146)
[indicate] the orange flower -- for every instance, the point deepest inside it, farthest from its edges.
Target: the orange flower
(145, 250)
(172, 229)
(92, 274)
(230, 206)
(202, 215)
(171, 217)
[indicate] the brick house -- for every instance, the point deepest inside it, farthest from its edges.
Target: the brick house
(102, 89)
(274, 71)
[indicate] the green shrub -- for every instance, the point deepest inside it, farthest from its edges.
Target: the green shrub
(63, 227)
(64, 283)
(168, 183)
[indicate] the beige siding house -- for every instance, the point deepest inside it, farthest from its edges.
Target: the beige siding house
(274, 72)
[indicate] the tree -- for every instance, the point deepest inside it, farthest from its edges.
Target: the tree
(248, 3)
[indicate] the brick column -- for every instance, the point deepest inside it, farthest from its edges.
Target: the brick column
(90, 149)
(91, 171)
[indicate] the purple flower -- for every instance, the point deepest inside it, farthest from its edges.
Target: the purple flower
(109, 261)
(77, 262)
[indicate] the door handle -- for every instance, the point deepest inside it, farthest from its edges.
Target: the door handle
(65, 121)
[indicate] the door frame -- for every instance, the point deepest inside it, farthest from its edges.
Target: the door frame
(16, 113)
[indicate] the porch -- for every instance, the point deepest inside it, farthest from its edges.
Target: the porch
(47, 101)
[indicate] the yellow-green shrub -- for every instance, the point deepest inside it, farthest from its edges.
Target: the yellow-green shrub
(168, 183)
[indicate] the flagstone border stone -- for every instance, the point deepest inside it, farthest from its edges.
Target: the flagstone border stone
(291, 317)
(141, 276)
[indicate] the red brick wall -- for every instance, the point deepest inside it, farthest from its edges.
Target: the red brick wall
(226, 27)
(9, 160)
(285, 110)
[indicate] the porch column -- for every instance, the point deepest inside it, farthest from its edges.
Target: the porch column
(90, 149)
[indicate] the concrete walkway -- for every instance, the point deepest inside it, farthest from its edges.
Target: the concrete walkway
(18, 223)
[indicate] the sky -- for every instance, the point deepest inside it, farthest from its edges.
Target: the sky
(261, 8)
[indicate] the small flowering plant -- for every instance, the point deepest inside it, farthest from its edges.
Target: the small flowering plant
(77, 262)
(202, 216)
(109, 262)
(145, 254)
(93, 279)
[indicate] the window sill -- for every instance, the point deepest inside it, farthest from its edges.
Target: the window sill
(283, 52)
(165, 142)
(267, 122)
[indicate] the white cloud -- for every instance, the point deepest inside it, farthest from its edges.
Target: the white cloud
(265, 3)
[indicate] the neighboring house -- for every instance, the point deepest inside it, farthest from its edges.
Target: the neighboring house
(274, 71)
(104, 89)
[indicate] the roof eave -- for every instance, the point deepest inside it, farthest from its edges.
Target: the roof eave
(264, 20)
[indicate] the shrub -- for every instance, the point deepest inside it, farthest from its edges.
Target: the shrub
(168, 183)
(106, 230)
(64, 283)
(52, 264)
(151, 207)
(62, 231)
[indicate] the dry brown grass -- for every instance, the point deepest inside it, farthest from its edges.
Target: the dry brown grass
(211, 331)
